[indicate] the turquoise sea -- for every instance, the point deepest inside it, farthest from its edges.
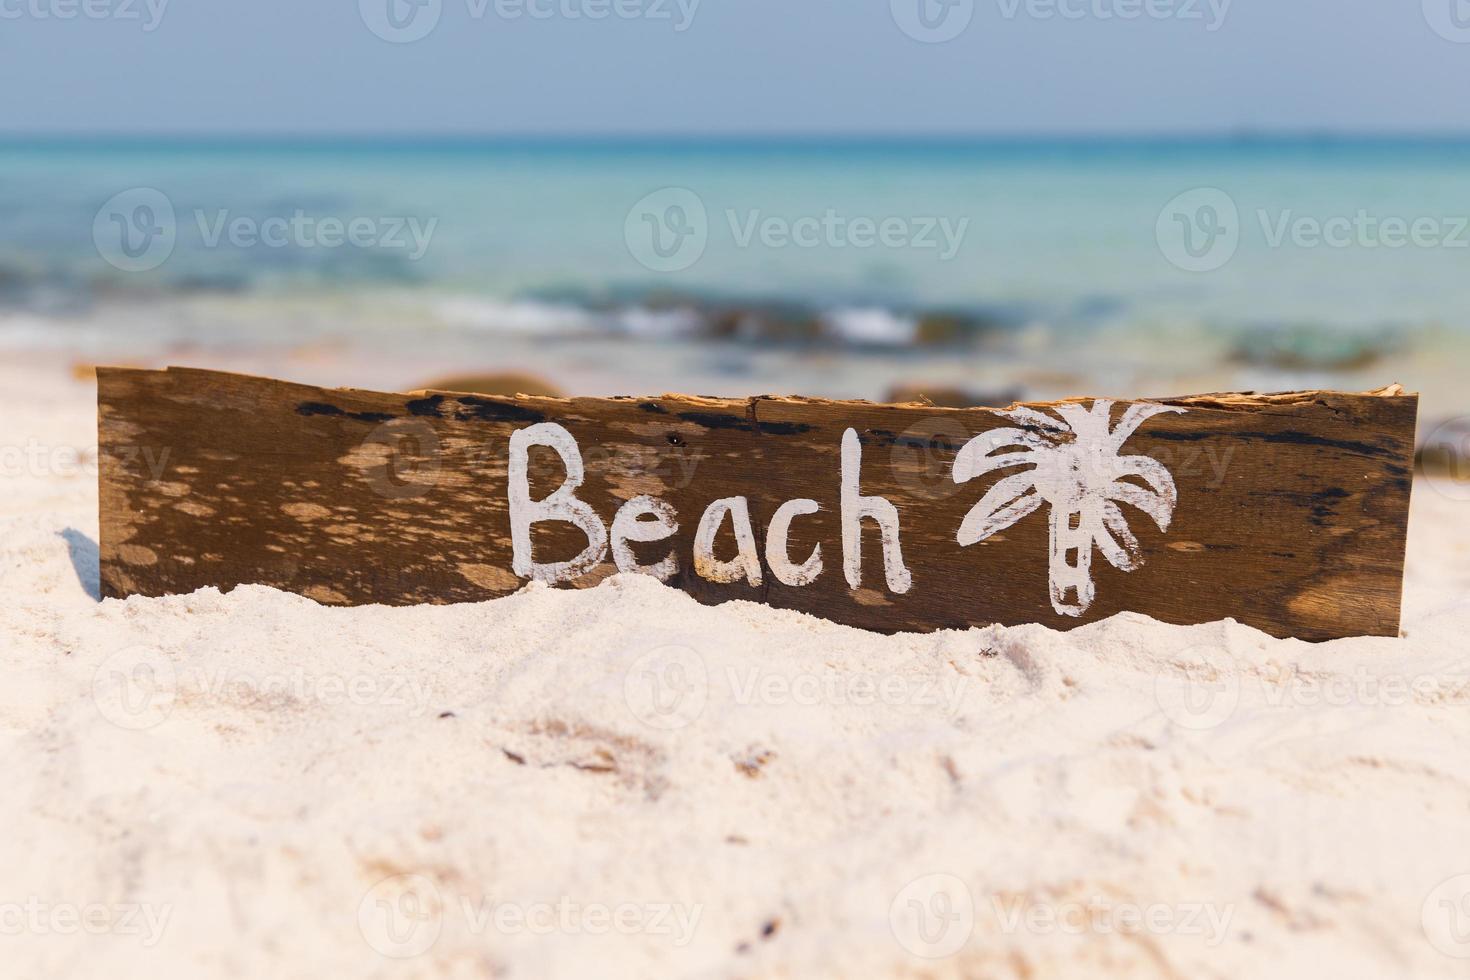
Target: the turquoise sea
(858, 241)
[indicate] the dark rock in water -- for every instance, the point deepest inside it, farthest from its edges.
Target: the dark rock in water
(1305, 348)
(779, 323)
(775, 319)
(217, 283)
(946, 396)
(951, 328)
(13, 278)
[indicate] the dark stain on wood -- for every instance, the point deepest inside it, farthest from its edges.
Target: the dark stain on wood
(715, 420)
(489, 410)
(1289, 437)
(318, 408)
(431, 407)
(1307, 439)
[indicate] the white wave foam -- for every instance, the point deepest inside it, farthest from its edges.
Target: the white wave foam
(518, 316)
(870, 325)
(533, 318)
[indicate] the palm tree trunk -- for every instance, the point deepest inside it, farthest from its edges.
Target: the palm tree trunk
(1071, 557)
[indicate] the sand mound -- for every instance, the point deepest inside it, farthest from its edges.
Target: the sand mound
(620, 782)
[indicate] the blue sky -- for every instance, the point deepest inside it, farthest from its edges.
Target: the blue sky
(805, 67)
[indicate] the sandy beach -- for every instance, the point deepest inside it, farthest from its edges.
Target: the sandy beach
(895, 337)
(621, 782)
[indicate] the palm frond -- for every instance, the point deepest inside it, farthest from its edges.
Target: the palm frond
(1154, 473)
(1006, 503)
(1031, 417)
(1155, 505)
(1116, 541)
(974, 457)
(1089, 423)
(1137, 414)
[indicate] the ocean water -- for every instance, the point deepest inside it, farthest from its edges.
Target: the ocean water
(849, 241)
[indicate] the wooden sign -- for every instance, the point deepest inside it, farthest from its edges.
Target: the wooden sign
(1287, 512)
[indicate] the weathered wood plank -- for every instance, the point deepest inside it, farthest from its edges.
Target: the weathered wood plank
(1287, 512)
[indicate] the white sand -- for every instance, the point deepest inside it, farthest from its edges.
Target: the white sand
(803, 800)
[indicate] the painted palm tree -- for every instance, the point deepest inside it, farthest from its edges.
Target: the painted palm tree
(1074, 466)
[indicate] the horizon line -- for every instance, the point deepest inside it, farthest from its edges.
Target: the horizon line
(1241, 135)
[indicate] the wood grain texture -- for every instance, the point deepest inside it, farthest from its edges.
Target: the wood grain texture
(1291, 515)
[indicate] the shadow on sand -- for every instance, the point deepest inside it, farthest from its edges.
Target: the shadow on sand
(84, 560)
